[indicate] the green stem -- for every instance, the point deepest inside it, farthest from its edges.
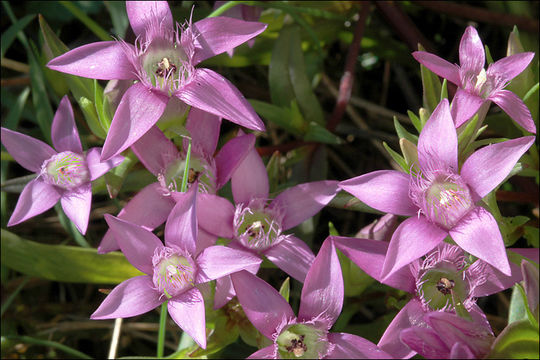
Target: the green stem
(12, 297)
(220, 10)
(162, 326)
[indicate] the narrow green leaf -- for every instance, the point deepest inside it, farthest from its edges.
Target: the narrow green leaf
(9, 35)
(320, 134)
(119, 19)
(90, 24)
(532, 235)
(489, 59)
(517, 311)
(64, 263)
(431, 86)
(348, 202)
(102, 113)
(415, 121)
(403, 133)
(332, 229)
(89, 110)
(281, 89)
(47, 343)
(311, 109)
(40, 99)
(285, 288)
(397, 158)
(12, 119)
(272, 168)
(444, 90)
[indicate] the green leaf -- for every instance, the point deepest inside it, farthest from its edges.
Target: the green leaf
(517, 310)
(415, 121)
(519, 340)
(403, 133)
(311, 109)
(273, 168)
(89, 110)
(40, 98)
(489, 59)
(285, 288)
(64, 263)
(9, 35)
(90, 24)
(444, 90)
(222, 333)
(431, 86)
(12, 119)
(320, 134)
(281, 89)
(354, 279)
(280, 116)
(346, 201)
(532, 235)
(119, 19)
(102, 113)
(397, 158)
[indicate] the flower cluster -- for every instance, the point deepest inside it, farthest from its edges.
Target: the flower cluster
(446, 253)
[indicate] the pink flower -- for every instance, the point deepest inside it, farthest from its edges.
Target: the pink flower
(477, 86)
(173, 270)
(162, 63)
(439, 280)
(305, 335)
(257, 225)
(151, 206)
(64, 174)
(441, 200)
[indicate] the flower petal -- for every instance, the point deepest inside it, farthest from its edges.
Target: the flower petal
(293, 256)
(478, 234)
(96, 166)
(211, 92)
(103, 60)
(437, 143)
(204, 240)
(219, 34)
(384, 190)
(323, 291)
(263, 305)
(348, 346)
(438, 65)
(204, 130)
(218, 261)
(36, 197)
(224, 292)
(187, 311)
(486, 168)
(137, 243)
(425, 342)
(302, 201)
(269, 352)
(511, 66)
(77, 204)
(471, 51)
(515, 108)
(181, 225)
(464, 106)
(413, 238)
(132, 297)
(461, 351)
(155, 150)
(411, 313)
(231, 155)
(65, 136)
(496, 281)
(369, 256)
(143, 13)
(139, 109)
(215, 215)
(30, 153)
(148, 208)
(250, 180)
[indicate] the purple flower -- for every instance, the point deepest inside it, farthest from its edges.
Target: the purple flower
(256, 224)
(150, 207)
(477, 86)
(443, 335)
(162, 65)
(440, 199)
(173, 271)
(305, 335)
(64, 174)
(443, 278)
